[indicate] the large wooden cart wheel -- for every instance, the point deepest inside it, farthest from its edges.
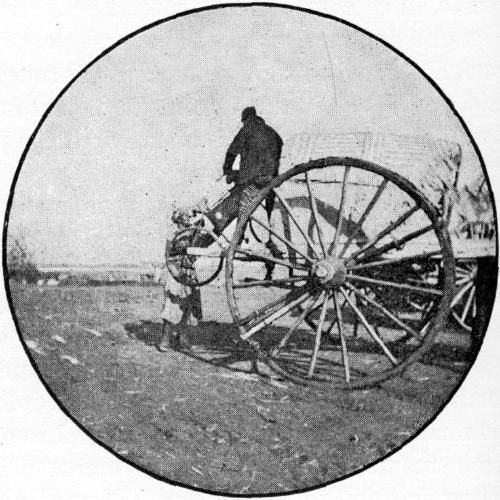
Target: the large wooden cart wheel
(194, 257)
(342, 306)
(463, 306)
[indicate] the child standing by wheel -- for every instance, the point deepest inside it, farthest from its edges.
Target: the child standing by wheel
(182, 303)
(182, 307)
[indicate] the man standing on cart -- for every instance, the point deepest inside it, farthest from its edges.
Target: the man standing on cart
(259, 147)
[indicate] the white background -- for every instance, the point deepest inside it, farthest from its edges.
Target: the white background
(43, 455)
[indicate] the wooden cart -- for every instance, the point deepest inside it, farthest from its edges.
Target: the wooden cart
(364, 269)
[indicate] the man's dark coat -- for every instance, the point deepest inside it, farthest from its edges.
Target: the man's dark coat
(259, 147)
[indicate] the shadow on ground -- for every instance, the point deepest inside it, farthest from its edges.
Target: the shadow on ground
(219, 344)
(210, 342)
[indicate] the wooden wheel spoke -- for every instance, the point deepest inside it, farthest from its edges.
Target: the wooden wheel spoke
(392, 284)
(333, 323)
(363, 217)
(370, 329)
(398, 222)
(375, 252)
(317, 342)
(287, 207)
(272, 282)
(424, 329)
(398, 243)
(462, 273)
(332, 250)
(273, 316)
(463, 281)
(398, 260)
(317, 298)
(466, 267)
(340, 323)
(271, 306)
(468, 303)
(461, 293)
(386, 312)
(269, 258)
(281, 238)
(314, 210)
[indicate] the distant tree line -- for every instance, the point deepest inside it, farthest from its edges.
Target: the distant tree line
(20, 265)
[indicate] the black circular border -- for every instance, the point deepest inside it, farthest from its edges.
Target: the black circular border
(68, 85)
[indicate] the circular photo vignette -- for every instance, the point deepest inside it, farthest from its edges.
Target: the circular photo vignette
(224, 465)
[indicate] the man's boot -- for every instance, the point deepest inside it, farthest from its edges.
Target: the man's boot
(165, 341)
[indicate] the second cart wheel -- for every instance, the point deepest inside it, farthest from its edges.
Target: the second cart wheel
(463, 306)
(194, 257)
(342, 306)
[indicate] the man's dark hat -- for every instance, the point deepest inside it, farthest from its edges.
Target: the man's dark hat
(247, 113)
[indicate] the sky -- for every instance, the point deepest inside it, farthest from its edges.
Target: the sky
(146, 127)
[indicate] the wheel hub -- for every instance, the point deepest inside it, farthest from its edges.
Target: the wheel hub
(330, 271)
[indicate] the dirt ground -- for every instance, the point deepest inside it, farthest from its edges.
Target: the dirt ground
(204, 418)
